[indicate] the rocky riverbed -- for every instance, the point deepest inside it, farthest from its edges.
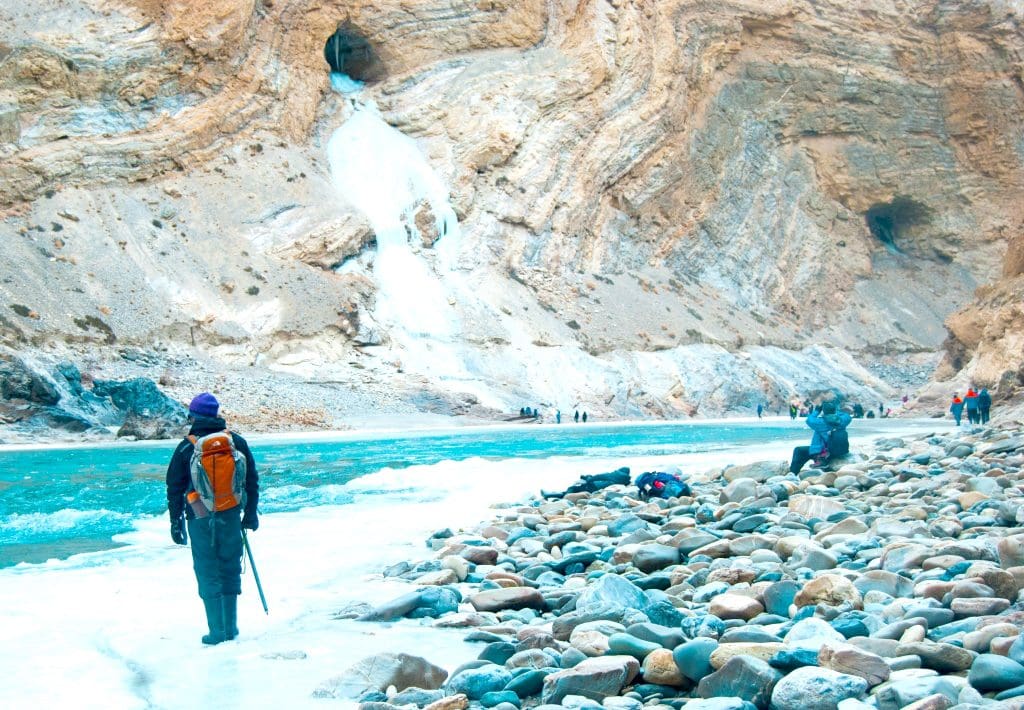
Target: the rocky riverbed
(892, 582)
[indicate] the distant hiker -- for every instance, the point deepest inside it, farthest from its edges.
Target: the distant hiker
(576, 416)
(793, 411)
(971, 403)
(522, 411)
(584, 417)
(881, 410)
(858, 411)
(536, 413)
(957, 408)
(760, 408)
(218, 483)
(871, 414)
(829, 441)
(655, 484)
(558, 416)
(589, 484)
(984, 404)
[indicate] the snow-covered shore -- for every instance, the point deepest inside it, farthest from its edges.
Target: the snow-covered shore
(120, 628)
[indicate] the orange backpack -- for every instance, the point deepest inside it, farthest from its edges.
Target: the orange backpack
(218, 471)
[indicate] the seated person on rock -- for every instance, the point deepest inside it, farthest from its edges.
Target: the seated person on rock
(589, 484)
(829, 441)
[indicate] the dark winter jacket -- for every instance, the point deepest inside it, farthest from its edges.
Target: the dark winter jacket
(179, 480)
(984, 399)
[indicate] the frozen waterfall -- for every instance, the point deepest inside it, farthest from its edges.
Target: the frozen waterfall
(382, 172)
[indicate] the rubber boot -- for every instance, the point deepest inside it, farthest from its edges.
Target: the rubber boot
(229, 604)
(215, 620)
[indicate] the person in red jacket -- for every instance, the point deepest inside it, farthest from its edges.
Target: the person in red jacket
(971, 403)
(957, 408)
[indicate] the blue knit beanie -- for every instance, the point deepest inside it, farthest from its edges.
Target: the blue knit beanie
(204, 405)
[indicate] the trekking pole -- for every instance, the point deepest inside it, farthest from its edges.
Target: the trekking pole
(255, 574)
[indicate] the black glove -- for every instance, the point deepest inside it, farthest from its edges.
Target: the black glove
(250, 521)
(178, 533)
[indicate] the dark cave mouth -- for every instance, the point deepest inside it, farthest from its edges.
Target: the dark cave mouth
(348, 52)
(888, 221)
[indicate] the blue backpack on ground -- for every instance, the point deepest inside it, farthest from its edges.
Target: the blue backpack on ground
(655, 484)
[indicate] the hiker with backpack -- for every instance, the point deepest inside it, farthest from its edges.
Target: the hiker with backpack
(984, 405)
(213, 470)
(829, 441)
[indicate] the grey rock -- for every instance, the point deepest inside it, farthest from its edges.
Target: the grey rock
(611, 589)
(743, 677)
(652, 557)
(693, 658)
(896, 694)
(477, 682)
(942, 657)
(779, 596)
(595, 678)
(381, 671)
(883, 581)
(622, 644)
(991, 672)
(812, 688)
(665, 636)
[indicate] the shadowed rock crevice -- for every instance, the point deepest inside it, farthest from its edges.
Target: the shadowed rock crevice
(348, 52)
(888, 221)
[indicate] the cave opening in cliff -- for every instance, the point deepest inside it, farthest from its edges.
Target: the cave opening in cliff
(349, 53)
(888, 221)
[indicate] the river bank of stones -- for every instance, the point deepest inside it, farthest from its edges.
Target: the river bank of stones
(894, 582)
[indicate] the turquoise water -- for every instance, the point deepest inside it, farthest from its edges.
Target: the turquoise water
(58, 502)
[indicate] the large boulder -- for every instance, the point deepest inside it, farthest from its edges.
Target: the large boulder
(611, 589)
(594, 678)
(427, 602)
(17, 381)
(474, 683)
(759, 471)
(140, 428)
(381, 671)
(140, 396)
(507, 598)
(831, 589)
(652, 557)
(742, 677)
(812, 688)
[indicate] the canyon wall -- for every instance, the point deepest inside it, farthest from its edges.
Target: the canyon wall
(672, 207)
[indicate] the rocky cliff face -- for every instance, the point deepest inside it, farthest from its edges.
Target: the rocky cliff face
(664, 207)
(985, 347)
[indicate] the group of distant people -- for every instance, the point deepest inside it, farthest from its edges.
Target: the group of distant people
(535, 413)
(977, 404)
(805, 408)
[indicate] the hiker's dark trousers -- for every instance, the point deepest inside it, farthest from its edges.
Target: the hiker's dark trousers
(801, 455)
(217, 553)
